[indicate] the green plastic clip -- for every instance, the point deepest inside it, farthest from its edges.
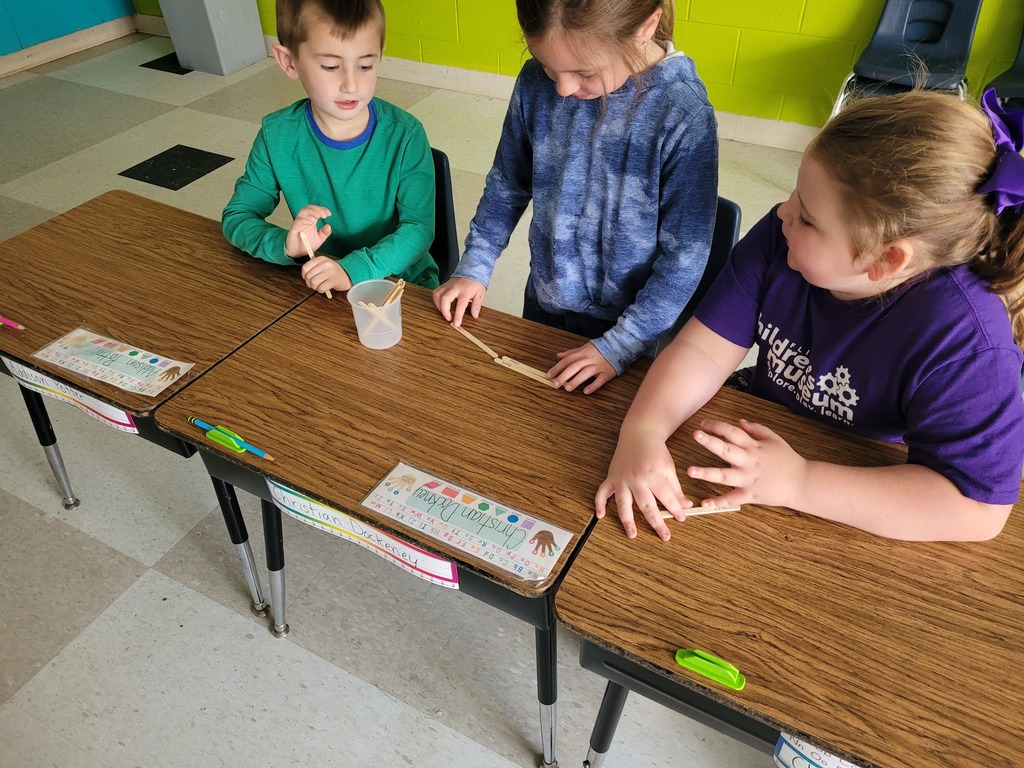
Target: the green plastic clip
(226, 438)
(703, 663)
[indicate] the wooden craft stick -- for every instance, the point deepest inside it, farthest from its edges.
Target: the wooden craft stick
(378, 315)
(526, 370)
(701, 511)
(490, 352)
(395, 294)
(305, 244)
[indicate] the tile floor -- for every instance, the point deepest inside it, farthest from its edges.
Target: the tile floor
(126, 637)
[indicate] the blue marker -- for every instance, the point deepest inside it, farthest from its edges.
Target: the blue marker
(229, 439)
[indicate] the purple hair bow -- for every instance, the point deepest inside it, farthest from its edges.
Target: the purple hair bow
(1007, 179)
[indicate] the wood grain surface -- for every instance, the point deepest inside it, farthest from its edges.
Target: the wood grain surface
(889, 653)
(337, 416)
(143, 273)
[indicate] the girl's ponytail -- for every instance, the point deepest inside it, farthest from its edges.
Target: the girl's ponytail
(1003, 267)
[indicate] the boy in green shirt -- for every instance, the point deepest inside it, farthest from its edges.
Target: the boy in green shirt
(359, 164)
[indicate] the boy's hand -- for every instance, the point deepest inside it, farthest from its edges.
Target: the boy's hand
(763, 468)
(642, 472)
(323, 274)
(464, 293)
(306, 221)
(576, 366)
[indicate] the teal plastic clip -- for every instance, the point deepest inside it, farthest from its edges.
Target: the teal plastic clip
(226, 438)
(703, 663)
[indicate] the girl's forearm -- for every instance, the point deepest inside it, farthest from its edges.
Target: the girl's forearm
(681, 380)
(907, 502)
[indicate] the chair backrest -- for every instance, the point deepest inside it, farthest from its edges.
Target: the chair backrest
(937, 32)
(445, 248)
(723, 238)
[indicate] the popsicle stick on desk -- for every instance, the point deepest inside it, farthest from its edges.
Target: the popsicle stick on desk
(526, 370)
(490, 352)
(701, 511)
(309, 252)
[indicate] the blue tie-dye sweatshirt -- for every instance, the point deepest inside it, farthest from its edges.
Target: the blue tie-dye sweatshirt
(624, 193)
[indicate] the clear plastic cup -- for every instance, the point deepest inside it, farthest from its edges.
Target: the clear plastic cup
(378, 326)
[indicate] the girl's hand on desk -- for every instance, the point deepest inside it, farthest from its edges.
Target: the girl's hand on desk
(763, 468)
(576, 366)
(642, 471)
(306, 221)
(464, 294)
(323, 274)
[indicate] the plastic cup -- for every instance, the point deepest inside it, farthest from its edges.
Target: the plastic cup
(379, 326)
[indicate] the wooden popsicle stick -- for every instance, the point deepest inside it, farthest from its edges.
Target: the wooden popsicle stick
(526, 370)
(309, 251)
(490, 352)
(378, 316)
(701, 511)
(395, 293)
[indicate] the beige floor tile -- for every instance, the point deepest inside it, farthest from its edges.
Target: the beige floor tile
(120, 71)
(27, 742)
(54, 580)
(465, 127)
(73, 180)
(136, 497)
(16, 216)
(43, 120)
(167, 678)
(206, 561)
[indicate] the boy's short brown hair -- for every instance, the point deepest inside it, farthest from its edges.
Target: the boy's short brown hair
(344, 16)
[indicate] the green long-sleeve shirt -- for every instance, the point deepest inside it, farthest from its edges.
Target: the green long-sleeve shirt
(379, 188)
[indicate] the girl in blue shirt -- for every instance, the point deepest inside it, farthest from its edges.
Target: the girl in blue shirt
(610, 133)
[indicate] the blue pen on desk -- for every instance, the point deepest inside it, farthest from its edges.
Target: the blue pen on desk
(229, 439)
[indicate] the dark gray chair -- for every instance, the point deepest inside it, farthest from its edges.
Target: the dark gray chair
(445, 248)
(916, 43)
(723, 238)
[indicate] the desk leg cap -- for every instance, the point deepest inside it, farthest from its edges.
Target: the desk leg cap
(261, 609)
(71, 503)
(280, 631)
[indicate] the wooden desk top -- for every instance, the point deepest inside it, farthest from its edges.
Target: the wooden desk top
(885, 652)
(143, 273)
(337, 416)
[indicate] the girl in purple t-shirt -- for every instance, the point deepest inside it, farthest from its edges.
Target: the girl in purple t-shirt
(877, 296)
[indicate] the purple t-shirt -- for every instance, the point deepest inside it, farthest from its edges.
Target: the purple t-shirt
(932, 363)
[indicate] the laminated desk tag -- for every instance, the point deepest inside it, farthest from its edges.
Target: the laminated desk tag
(703, 663)
(226, 438)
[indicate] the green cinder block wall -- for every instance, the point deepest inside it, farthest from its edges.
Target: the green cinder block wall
(776, 59)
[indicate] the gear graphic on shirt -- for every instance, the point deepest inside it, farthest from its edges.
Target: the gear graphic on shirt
(837, 384)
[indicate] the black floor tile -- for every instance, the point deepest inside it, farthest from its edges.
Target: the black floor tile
(176, 167)
(168, 63)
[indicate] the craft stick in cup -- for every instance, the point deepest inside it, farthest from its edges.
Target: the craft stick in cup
(309, 251)
(378, 326)
(396, 293)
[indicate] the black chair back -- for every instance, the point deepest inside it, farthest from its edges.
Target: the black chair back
(723, 238)
(445, 248)
(936, 32)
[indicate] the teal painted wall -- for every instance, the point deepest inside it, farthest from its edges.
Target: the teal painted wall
(24, 24)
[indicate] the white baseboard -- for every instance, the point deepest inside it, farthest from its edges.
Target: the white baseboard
(52, 50)
(749, 130)
(151, 25)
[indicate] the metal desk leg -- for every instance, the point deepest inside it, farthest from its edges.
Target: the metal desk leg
(547, 690)
(604, 727)
(240, 538)
(47, 439)
(275, 564)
